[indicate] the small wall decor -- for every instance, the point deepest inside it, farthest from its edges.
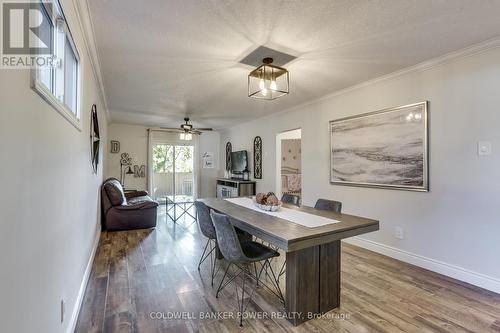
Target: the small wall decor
(386, 149)
(115, 147)
(257, 157)
(208, 160)
(139, 171)
(229, 150)
(94, 138)
(125, 166)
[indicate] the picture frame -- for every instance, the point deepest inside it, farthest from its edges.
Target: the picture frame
(382, 149)
(115, 147)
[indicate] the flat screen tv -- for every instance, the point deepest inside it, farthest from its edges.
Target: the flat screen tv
(239, 161)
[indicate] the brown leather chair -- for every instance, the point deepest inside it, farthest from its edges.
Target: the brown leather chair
(124, 211)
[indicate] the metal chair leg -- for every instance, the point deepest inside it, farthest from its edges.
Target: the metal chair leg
(241, 304)
(255, 268)
(277, 283)
(202, 259)
(213, 272)
(222, 281)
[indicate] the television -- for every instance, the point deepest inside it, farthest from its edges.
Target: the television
(239, 162)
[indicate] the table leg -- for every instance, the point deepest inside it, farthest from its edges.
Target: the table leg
(312, 281)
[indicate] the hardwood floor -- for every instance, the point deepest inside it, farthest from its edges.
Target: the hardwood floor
(136, 273)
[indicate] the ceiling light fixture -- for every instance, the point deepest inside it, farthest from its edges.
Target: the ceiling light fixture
(268, 81)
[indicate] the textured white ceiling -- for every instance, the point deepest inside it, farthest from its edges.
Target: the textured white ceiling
(162, 60)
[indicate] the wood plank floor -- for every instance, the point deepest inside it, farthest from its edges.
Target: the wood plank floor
(136, 273)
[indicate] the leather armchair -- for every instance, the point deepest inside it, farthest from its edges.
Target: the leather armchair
(125, 211)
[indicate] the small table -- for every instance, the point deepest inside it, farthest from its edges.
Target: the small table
(183, 202)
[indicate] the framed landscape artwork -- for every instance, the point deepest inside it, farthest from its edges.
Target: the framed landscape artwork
(386, 149)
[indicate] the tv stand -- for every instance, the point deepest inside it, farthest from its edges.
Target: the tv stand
(231, 188)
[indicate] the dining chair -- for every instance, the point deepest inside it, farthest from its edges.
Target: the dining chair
(241, 255)
(332, 205)
(291, 199)
(208, 230)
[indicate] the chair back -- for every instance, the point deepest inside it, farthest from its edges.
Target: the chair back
(113, 190)
(291, 199)
(331, 205)
(227, 239)
(204, 220)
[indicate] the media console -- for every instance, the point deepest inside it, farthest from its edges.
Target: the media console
(231, 188)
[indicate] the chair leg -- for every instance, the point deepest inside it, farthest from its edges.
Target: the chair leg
(241, 304)
(202, 259)
(282, 270)
(242, 299)
(213, 252)
(276, 282)
(222, 281)
(255, 268)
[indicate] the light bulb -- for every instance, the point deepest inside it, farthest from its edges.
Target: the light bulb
(261, 84)
(264, 92)
(273, 85)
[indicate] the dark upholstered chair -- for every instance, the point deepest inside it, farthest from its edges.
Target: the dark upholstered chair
(208, 230)
(240, 254)
(124, 211)
(291, 199)
(332, 205)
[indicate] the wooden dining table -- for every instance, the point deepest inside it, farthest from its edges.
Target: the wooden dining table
(312, 254)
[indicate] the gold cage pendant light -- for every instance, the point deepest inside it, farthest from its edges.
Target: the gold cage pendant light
(268, 81)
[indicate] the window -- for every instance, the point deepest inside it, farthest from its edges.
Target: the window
(59, 84)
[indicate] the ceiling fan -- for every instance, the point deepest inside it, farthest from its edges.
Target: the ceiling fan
(188, 128)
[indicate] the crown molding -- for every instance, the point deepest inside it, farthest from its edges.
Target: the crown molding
(470, 51)
(87, 28)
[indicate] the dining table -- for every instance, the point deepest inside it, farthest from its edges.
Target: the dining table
(311, 239)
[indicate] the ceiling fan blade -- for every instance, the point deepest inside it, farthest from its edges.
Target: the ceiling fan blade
(172, 129)
(204, 129)
(195, 131)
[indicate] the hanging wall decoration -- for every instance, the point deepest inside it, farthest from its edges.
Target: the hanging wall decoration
(94, 138)
(115, 147)
(229, 150)
(257, 157)
(384, 149)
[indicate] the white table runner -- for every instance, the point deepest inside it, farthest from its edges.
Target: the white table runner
(292, 215)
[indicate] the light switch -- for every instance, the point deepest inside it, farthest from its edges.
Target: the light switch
(484, 148)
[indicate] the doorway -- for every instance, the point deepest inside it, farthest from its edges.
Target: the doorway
(289, 163)
(173, 171)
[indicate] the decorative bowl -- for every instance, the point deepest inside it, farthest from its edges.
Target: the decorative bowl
(267, 208)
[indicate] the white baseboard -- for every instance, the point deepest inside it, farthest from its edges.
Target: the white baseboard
(459, 273)
(79, 299)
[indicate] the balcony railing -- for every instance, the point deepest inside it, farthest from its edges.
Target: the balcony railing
(163, 184)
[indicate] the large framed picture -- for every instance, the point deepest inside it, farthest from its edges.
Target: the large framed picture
(385, 149)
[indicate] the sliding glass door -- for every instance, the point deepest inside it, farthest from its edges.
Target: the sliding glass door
(173, 171)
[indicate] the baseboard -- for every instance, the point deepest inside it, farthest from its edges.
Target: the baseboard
(83, 286)
(459, 273)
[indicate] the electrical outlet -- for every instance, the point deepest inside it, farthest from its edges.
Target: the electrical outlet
(63, 310)
(484, 148)
(399, 233)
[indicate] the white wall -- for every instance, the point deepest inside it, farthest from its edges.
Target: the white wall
(49, 200)
(453, 229)
(134, 141)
